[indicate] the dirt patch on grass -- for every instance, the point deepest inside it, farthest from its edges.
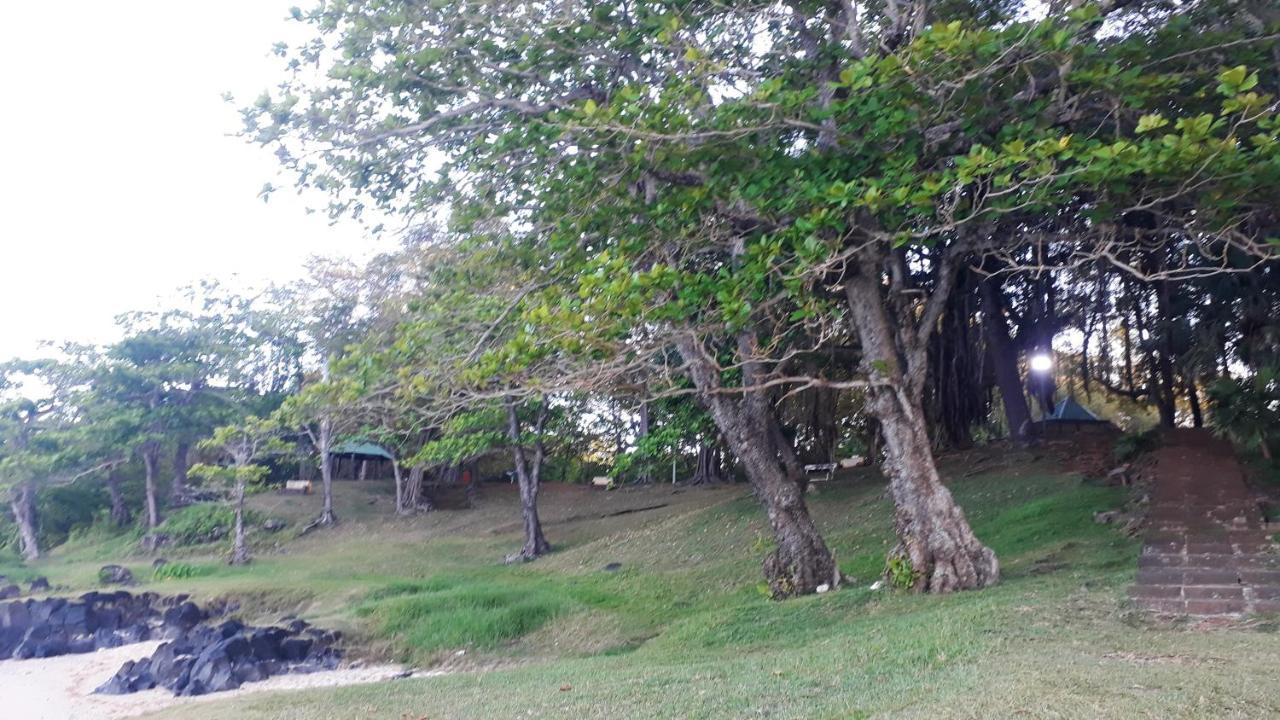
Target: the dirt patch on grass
(1143, 659)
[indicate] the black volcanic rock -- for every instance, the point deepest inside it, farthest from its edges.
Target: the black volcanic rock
(198, 658)
(207, 658)
(115, 575)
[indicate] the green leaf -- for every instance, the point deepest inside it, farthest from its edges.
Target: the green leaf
(1147, 123)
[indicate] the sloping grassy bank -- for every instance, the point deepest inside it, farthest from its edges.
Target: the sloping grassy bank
(681, 628)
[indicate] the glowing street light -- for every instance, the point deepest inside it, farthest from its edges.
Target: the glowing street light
(1041, 363)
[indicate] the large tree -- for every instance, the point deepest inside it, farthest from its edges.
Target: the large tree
(749, 185)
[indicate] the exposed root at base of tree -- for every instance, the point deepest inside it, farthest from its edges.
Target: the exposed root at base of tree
(325, 520)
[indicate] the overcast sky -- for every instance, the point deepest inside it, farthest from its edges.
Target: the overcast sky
(118, 181)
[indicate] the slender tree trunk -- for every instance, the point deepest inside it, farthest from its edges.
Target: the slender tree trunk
(239, 548)
(933, 534)
(801, 561)
(400, 504)
(120, 514)
(1128, 351)
(151, 463)
(1004, 360)
(1193, 399)
(646, 473)
(181, 463)
(528, 474)
(1168, 398)
(327, 516)
(24, 514)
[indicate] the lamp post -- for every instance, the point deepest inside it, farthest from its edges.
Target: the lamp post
(1041, 365)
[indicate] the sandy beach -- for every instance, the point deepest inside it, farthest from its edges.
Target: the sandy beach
(61, 688)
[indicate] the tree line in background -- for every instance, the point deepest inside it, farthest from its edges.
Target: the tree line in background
(728, 240)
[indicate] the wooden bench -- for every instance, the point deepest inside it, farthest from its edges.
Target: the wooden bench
(298, 486)
(602, 481)
(820, 472)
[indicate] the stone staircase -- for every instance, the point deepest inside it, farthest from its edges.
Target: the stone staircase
(1206, 552)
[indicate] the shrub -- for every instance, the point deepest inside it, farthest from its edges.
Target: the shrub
(1131, 445)
(1247, 411)
(202, 523)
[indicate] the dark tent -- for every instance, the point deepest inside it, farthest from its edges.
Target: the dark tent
(1071, 411)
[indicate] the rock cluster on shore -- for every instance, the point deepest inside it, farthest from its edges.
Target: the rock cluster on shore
(209, 659)
(59, 626)
(198, 657)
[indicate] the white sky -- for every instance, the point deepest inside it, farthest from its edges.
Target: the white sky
(118, 182)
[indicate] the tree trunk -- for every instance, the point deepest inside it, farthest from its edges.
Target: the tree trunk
(707, 466)
(151, 463)
(528, 474)
(120, 514)
(239, 549)
(1164, 366)
(1004, 361)
(181, 462)
(415, 497)
(801, 563)
(1193, 399)
(400, 504)
(24, 514)
(945, 555)
(933, 534)
(327, 516)
(645, 422)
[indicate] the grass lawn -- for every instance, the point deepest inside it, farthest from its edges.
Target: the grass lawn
(683, 629)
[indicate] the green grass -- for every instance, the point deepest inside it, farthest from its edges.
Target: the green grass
(181, 571)
(683, 630)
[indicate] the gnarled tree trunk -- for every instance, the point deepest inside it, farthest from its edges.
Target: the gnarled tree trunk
(529, 476)
(415, 494)
(23, 504)
(707, 465)
(932, 531)
(801, 563)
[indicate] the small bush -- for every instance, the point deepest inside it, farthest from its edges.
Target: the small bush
(900, 573)
(202, 523)
(180, 571)
(1131, 445)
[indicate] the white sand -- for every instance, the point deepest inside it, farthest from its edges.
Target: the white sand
(61, 688)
